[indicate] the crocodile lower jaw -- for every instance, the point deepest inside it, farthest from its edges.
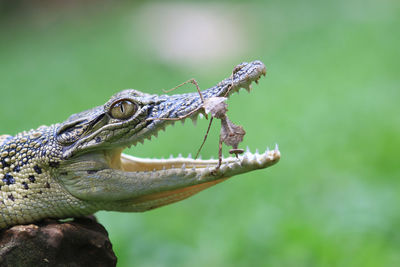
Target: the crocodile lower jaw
(230, 166)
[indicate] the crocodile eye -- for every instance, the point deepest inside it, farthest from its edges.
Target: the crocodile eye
(123, 109)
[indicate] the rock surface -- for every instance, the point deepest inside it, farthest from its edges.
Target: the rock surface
(81, 242)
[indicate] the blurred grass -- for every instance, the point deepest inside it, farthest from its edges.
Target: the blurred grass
(330, 100)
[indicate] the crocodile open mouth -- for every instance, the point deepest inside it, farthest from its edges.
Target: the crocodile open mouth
(200, 174)
(139, 184)
(230, 166)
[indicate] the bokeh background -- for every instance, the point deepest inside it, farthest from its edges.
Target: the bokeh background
(330, 100)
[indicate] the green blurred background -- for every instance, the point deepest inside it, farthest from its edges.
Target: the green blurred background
(330, 100)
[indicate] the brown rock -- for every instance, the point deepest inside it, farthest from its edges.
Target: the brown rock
(81, 242)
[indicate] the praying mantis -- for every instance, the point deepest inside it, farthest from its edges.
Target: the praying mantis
(230, 134)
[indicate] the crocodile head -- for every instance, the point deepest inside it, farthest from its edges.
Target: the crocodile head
(92, 143)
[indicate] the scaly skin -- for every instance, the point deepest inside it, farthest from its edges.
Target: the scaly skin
(76, 168)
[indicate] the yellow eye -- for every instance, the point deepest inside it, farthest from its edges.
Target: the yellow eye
(123, 109)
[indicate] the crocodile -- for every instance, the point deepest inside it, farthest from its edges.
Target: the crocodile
(76, 168)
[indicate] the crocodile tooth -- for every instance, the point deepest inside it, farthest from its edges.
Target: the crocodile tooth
(183, 122)
(256, 81)
(267, 151)
(247, 149)
(189, 156)
(156, 134)
(201, 116)
(171, 157)
(179, 155)
(276, 148)
(257, 151)
(194, 120)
